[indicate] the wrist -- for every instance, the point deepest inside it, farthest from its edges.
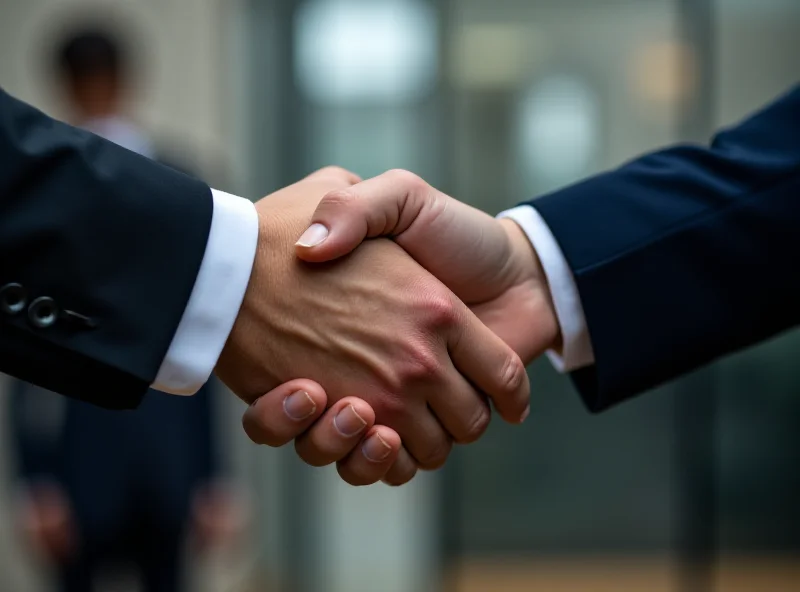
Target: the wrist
(240, 365)
(231, 357)
(532, 278)
(215, 299)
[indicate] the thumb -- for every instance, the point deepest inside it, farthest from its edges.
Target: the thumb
(334, 174)
(386, 205)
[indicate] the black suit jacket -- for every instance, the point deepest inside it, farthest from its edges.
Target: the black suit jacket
(117, 467)
(686, 254)
(111, 239)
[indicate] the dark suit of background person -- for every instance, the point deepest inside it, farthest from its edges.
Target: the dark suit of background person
(686, 254)
(127, 481)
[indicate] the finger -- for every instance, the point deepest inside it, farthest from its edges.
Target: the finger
(492, 366)
(335, 174)
(369, 462)
(285, 412)
(386, 205)
(424, 437)
(461, 409)
(403, 469)
(338, 432)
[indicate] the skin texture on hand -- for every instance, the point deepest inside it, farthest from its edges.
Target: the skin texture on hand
(489, 264)
(373, 325)
(297, 411)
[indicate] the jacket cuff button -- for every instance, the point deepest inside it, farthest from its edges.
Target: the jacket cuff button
(42, 312)
(13, 299)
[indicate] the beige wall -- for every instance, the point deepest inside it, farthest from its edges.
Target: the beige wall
(186, 79)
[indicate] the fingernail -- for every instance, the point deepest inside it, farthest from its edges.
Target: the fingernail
(299, 406)
(313, 236)
(376, 449)
(525, 414)
(348, 422)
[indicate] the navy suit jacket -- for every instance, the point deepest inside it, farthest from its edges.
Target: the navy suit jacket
(685, 254)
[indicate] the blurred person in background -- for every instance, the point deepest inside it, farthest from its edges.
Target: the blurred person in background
(101, 487)
(95, 72)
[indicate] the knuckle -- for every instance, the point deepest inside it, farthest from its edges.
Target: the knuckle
(408, 180)
(353, 477)
(338, 198)
(311, 455)
(423, 364)
(436, 455)
(513, 375)
(336, 172)
(396, 480)
(258, 434)
(390, 408)
(400, 473)
(440, 309)
(477, 426)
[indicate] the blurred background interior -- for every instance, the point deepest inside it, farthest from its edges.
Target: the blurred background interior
(691, 488)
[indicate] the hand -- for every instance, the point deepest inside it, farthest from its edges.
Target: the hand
(297, 411)
(489, 264)
(374, 324)
(47, 523)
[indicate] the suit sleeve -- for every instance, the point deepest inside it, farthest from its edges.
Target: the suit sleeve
(99, 251)
(685, 254)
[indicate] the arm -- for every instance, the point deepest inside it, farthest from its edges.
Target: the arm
(686, 254)
(136, 267)
(675, 259)
(103, 233)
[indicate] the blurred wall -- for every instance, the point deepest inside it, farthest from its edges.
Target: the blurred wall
(182, 42)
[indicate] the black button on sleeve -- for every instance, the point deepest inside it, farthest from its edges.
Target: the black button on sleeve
(13, 299)
(42, 312)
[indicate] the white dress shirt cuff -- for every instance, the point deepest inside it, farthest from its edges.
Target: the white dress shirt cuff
(576, 349)
(216, 297)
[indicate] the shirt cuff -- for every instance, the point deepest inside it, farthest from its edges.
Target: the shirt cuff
(576, 350)
(216, 297)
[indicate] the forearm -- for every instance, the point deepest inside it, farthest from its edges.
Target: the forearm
(114, 240)
(684, 255)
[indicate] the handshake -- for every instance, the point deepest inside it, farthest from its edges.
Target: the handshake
(379, 354)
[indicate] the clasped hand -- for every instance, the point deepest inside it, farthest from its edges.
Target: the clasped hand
(410, 337)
